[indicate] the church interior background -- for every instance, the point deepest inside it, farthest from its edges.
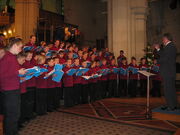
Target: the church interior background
(129, 25)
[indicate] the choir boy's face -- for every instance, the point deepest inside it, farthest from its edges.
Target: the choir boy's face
(43, 53)
(110, 57)
(61, 55)
(21, 60)
(70, 55)
(107, 49)
(46, 49)
(51, 63)
(133, 62)
(91, 52)
(144, 61)
(93, 56)
(124, 62)
(94, 49)
(71, 49)
(84, 64)
(50, 45)
(80, 53)
(104, 62)
(100, 53)
(74, 45)
(33, 39)
(62, 44)
(76, 49)
(36, 57)
(121, 53)
(85, 56)
(155, 61)
(113, 62)
(69, 62)
(43, 44)
(57, 43)
(56, 61)
(42, 61)
(85, 49)
(17, 48)
(29, 56)
(76, 62)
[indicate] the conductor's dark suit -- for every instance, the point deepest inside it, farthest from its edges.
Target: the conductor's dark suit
(167, 61)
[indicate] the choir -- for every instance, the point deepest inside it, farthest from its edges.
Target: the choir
(87, 75)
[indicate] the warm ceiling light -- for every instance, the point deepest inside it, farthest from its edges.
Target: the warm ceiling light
(5, 33)
(10, 31)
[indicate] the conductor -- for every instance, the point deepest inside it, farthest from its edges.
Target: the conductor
(167, 61)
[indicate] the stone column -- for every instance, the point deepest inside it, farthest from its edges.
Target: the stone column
(127, 27)
(26, 18)
(138, 22)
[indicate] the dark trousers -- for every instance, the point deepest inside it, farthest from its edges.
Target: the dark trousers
(84, 93)
(170, 91)
(61, 93)
(112, 88)
(24, 112)
(68, 97)
(104, 89)
(96, 91)
(50, 99)
(132, 87)
(122, 87)
(156, 88)
(99, 89)
(143, 87)
(11, 110)
(92, 91)
(41, 101)
(30, 102)
(77, 93)
(56, 99)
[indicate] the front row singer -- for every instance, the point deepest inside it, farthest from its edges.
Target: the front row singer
(10, 86)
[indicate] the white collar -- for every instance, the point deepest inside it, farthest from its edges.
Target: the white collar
(167, 43)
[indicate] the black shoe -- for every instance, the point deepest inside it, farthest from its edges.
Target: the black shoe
(50, 110)
(20, 126)
(164, 107)
(32, 116)
(172, 109)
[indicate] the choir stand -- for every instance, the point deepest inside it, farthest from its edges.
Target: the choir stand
(148, 75)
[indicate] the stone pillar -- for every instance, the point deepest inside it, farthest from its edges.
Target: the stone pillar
(138, 14)
(26, 18)
(127, 27)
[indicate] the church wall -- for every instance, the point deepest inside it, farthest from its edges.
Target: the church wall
(162, 19)
(88, 16)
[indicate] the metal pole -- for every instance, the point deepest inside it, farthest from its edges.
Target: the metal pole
(147, 106)
(127, 83)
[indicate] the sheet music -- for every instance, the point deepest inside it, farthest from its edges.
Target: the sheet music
(145, 73)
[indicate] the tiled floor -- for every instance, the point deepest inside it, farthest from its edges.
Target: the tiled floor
(125, 110)
(58, 123)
